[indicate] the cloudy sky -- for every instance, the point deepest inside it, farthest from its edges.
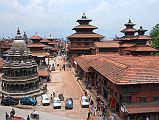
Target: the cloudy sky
(58, 17)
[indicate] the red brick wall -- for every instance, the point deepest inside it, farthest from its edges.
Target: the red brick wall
(149, 94)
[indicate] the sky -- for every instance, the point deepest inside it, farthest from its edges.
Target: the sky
(58, 17)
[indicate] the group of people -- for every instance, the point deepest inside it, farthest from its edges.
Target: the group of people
(100, 107)
(12, 113)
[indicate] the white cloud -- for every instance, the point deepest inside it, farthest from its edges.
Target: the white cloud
(59, 16)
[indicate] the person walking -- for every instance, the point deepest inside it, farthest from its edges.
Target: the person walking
(13, 111)
(53, 94)
(88, 117)
(51, 97)
(91, 117)
(91, 108)
(95, 111)
(7, 116)
(2, 96)
(28, 118)
(147, 118)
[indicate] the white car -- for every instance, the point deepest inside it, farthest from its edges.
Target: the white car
(45, 100)
(56, 102)
(84, 101)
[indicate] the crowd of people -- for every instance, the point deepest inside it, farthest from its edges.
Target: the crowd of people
(12, 115)
(100, 108)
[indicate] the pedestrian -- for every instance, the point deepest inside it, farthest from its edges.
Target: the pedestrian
(95, 111)
(147, 118)
(91, 116)
(89, 97)
(35, 97)
(85, 92)
(91, 108)
(53, 94)
(92, 102)
(51, 98)
(13, 111)
(2, 96)
(112, 117)
(98, 107)
(88, 115)
(7, 116)
(100, 117)
(28, 118)
(11, 114)
(103, 115)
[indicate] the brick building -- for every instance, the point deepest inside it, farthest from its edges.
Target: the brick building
(127, 76)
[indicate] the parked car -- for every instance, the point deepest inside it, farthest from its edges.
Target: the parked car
(84, 101)
(69, 103)
(45, 100)
(28, 101)
(56, 102)
(9, 101)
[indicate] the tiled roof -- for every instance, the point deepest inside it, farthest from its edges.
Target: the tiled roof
(36, 45)
(86, 35)
(124, 38)
(45, 40)
(128, 30)
(141, 48)
(124, 69)
(35, 37)
(107, 44)
(43, 73)
(126, 45)
(79, 48)
(52, 43)
(84, 61)
(5, 44)
(141, 37)
(39, 54)
(85, 27)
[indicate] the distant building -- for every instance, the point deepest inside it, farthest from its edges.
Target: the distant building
(37, 50)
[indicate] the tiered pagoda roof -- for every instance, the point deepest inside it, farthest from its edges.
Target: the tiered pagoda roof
(84, 30)
(129, 30)
(85, 35)
(36, 37)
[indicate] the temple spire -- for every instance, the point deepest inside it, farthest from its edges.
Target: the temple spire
(129, 21)
(18, 31)
(84, 16)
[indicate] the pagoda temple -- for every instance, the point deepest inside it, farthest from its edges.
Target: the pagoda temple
(82, 42)
(37, 50)
(20, 76)
(134, 45)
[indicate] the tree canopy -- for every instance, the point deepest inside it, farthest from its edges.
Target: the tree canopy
(154, 34)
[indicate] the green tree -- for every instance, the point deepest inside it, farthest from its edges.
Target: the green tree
(154, 34)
